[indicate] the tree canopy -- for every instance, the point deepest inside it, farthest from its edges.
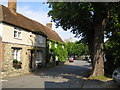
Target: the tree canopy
(77, 49)
(112, 50)
(89, 20)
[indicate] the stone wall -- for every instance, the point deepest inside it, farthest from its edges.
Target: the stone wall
(8, 69)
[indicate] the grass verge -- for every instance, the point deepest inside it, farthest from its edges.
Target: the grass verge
(100, 77)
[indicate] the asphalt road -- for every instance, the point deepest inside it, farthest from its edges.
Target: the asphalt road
(66, 76)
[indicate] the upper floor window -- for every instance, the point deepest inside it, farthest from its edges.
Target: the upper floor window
(40, 40)
(17, 33)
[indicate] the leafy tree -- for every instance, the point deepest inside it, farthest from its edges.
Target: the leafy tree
(77, 49)
(70, 48)
(112, 50)
(88, 20)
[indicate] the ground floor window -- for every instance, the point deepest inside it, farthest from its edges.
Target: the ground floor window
(16, 54)
(39, 57)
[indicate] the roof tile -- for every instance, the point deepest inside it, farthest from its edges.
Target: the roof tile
(24, 22)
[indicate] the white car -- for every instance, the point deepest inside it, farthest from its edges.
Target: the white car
(116, 75)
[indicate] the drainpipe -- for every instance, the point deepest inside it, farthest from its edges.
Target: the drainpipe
(1, 55)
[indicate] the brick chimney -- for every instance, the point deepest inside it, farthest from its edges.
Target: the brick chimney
(12, 5)
(49, 25)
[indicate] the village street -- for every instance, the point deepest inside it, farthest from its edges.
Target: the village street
(71, 75)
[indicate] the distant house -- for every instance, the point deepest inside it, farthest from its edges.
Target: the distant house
(22, 42)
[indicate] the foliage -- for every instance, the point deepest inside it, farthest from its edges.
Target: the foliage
(17, 64)
(59, 51)
(89, 20)
(77, 49)
(15, 61)
(112, 50)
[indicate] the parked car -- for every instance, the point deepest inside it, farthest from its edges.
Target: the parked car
(77, 58)
(116, 75)
(88, 59)
(70, 59)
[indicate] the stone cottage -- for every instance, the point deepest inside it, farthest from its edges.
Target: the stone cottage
(22, 42)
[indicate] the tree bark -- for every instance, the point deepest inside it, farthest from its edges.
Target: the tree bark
(98, 60)
(91, 49)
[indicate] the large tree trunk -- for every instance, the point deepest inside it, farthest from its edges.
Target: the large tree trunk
(98, 61)
(91, 49)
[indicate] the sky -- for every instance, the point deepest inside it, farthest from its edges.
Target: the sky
(38, 11)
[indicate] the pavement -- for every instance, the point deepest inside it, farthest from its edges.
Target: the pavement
(100, 84)
(72, 75)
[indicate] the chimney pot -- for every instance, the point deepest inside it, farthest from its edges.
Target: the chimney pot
(12, 5)
(49, 25)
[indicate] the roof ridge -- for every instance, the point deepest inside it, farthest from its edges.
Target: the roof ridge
(27, 23)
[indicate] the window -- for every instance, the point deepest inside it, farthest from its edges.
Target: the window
(62, 46)
(16, 54)
(40, 40)
(39, 57)
(55, 45)
(56, 58)
(17, 34)
(50, 45)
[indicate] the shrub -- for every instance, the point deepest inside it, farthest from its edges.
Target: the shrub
(15, 61)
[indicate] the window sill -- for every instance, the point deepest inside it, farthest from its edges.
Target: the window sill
(18, 38)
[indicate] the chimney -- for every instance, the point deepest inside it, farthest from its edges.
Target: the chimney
(12, 5)
(49, 25)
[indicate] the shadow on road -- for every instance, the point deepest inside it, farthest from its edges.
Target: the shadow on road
(66, 76)
(72, 76)
(83, 71)
(83, 83)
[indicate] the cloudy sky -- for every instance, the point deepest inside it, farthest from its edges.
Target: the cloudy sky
(38, 11)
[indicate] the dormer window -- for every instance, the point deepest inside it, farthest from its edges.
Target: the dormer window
(17, 34)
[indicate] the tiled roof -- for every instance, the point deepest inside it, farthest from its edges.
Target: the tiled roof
(21, 21)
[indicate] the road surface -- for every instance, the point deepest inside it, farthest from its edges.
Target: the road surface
(66, 76)
(71, 75)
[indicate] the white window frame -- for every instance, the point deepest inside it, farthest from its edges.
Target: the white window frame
(50, 44)
(17, 54)
(17, 33)
(55, 45)
(56, 58)
(63, 46)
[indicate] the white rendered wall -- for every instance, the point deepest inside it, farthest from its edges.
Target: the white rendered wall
(8, 36)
